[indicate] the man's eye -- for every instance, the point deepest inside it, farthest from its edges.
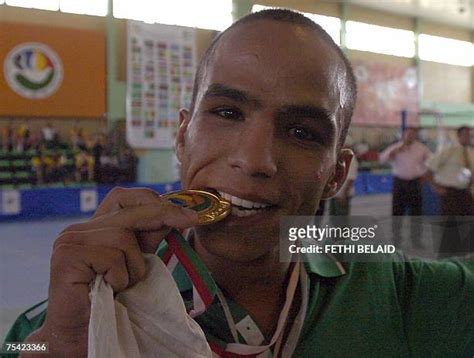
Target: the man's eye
(229, 113)
(304, 134)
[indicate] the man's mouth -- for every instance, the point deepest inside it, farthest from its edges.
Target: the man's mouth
(242, 207)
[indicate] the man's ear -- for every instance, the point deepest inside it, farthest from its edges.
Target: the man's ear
(184, 118)
(339, 175)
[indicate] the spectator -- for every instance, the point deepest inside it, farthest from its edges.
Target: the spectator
(84, 166)
(97, 151)
(407, 158)
(78, 141)
(48, 133)
(22, 137)
(128, 165)
(38, 167)
(450, 172)
(55, 168)
(109, 168)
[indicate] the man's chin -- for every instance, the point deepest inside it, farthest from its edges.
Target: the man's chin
(237, 246)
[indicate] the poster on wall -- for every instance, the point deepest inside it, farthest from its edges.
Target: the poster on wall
(10, 202)
(384, 91)
(52, 71)
(161, 61)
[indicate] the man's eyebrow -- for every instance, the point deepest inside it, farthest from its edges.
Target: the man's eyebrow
(220, 90)
(306, 111)
(319, 114)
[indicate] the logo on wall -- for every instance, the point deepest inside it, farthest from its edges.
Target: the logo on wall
(33, 70)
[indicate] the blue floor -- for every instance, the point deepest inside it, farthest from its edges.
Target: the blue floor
(25, 250)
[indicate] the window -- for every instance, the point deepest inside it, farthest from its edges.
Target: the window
(445, 50)
(206, 14)
(379, 39)
(86, 7)
(36, 4)
(332, 25)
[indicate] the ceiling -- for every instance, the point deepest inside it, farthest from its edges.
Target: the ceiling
(453, 12)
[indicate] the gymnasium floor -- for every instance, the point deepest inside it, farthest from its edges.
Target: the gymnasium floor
(25, 249)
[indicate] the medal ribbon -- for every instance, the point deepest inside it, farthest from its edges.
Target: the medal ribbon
(205, 289)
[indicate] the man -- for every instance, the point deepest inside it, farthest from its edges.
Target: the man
(407, 158)
(451, 174)
(272, 101)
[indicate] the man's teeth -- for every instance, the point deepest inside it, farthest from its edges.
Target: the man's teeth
(242, 207)
(246, 212)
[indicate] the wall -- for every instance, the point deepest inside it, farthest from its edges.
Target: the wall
(441, 83)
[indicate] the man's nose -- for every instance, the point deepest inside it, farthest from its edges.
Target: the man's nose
(254, 152)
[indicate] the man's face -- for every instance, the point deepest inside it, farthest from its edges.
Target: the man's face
(263, 133)
(410, 135)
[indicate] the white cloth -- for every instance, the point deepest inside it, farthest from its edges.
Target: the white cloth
(409, 163)
(146, 320)
(449, 164)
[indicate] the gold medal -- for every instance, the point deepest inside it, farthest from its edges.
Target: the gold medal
(209, 207)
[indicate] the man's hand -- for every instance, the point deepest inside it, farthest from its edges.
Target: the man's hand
(128, 223)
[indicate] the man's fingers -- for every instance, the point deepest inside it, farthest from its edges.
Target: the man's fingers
(119, 198)
(114, 238)
(149, 217)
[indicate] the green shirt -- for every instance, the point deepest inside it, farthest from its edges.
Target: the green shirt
(389, 309)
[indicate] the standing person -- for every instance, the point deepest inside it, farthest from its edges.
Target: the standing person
(97, 152)
(271, 105)
(451, 174)
(407, 158)
(49, 134)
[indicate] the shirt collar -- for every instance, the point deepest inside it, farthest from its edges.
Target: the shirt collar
(324, 265)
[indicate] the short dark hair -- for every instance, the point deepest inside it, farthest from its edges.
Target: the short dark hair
(292, 17)
(461, 129)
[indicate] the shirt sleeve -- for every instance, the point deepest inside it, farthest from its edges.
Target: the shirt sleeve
(26, 323)
(439, 307)
(435, 162)
(384, 156)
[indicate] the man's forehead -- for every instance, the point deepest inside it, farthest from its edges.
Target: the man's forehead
(281, 36)
(292, 49)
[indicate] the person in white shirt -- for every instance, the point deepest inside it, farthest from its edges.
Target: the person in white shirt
(451, 175)
(407, 158)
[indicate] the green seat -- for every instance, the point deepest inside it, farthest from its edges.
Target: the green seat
(22, 175)
(4, 164)
(6, 175)
(20, 163)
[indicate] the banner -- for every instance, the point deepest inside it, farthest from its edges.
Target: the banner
(10, 202)
(161, 61)
(52, 71)
(384, 91)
